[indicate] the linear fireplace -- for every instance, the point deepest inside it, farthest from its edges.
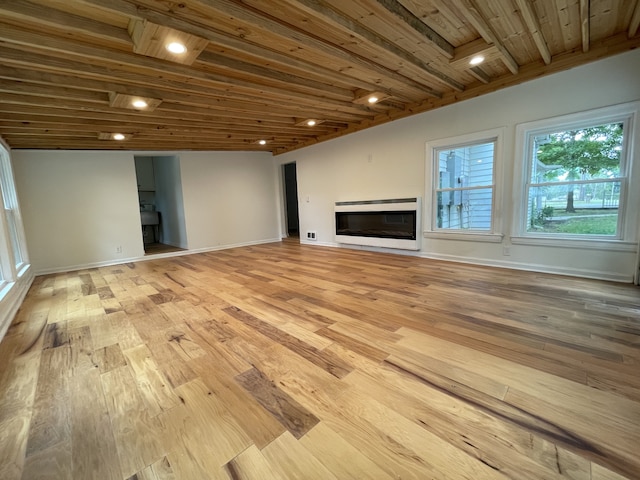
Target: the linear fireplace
(390, 223)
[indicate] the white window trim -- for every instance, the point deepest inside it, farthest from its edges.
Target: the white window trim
(626, 239)
(11, 271)
(492, 236)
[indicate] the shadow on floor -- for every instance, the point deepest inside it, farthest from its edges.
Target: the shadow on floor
(157, 248)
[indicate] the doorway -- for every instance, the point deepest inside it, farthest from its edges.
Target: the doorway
(291, 199)
(161, 204)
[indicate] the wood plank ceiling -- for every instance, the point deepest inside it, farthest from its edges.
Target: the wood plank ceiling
(260, 69)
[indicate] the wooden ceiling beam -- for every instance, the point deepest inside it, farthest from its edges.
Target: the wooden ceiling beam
(634, 24)
(95, 77)
(160, 136)
(74, 107)
(246, 45)
(37, 13)
(339, 20)
(584, 25)
(139, 63)
(533, 24)
(45, 91)
(61, 118)
(270, 56)
(475, 18)
(51, 91)
(168, 114)
(230, 43)
(54, 129)
(50, 115)
(71, 142)
(246, 70)
(464, 53)
(480, 74)
(610, 46)
(164, 135)
(313, 43)
(406, 16)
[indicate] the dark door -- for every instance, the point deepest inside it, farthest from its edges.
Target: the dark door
(291, 198)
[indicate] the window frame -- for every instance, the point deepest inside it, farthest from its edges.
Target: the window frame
(11, 270)
(525, 134)
(493, 234)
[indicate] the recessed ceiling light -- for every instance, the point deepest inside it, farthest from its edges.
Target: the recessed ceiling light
(118, 136)
(262, 142)
(133, 102)
(177, 48)
(477, 60)
(362, 97)
(311, 123)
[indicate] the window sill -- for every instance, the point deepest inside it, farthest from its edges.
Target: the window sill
(586, 243)
(469, 237)
(22, 269)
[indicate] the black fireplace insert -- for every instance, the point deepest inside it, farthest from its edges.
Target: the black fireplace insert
(383, 224)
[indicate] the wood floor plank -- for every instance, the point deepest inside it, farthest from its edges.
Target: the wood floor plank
(51, 418)
(251, 465)
(291, 361)
(514, 451)
(339, 457)
(155, 390)
(108, 358)
(293, 416)
(53, 463)
(427, 451)
(136, 430)
(18, 380)
(163, 469)
(205, 426)
(94, 449)
(256, 421)
(324, 360)
(293, 461)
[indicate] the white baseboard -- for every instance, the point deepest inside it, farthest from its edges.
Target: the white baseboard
(235, 245)
(573, 272)
(532, 267)
(12, 300)
(121, 261)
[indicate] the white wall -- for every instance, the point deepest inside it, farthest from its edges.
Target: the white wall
(79, 206)
(168, 198)
(229, 198)
(388, 161)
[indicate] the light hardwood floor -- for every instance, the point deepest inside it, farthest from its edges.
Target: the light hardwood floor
(283, 361)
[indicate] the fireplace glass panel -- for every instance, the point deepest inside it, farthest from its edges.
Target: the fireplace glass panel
(389, 224)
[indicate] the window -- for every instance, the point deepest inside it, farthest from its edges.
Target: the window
(463, 179)
(13, 233)
(576, 170)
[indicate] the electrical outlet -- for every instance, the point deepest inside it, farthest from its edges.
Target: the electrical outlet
(506, 250)
(311, 235)
(119, 249)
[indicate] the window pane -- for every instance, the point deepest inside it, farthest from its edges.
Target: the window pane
(580, 154)
(468, 166)
(465, 209)
(575, 159)
(13, 234)
(10, 204)
(461, 202)
(593, 209)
